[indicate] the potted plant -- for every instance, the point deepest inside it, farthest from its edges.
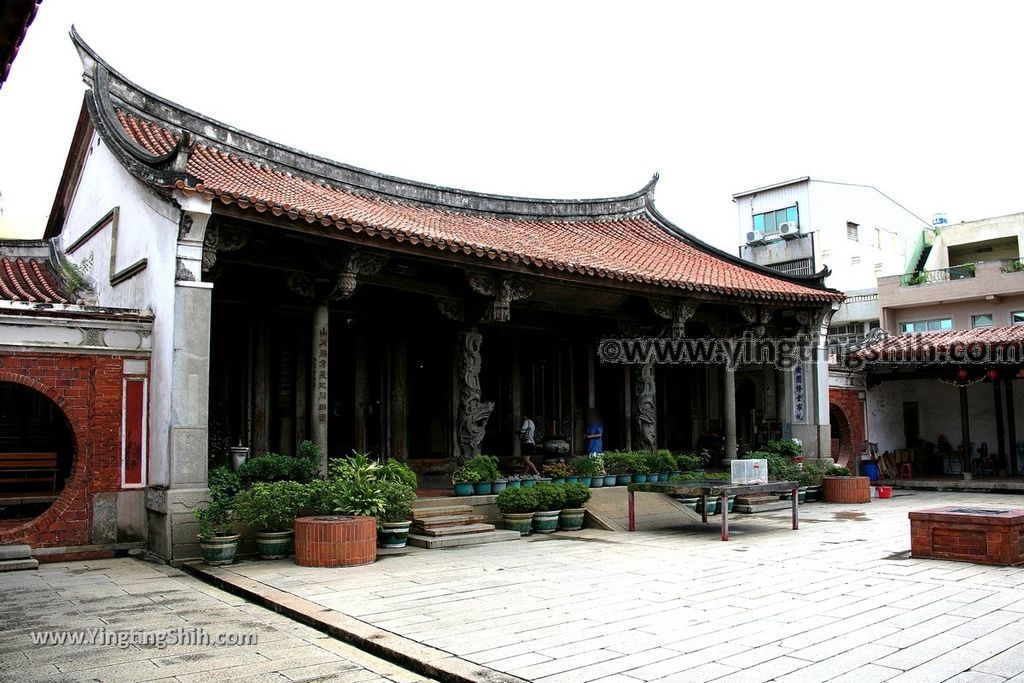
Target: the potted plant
(550, 498)
(483, 470)
(572, 514)
(514, 482)
(618, 465)
(841, 487)
(396, 517)
(558, 471)
(638, 466)
(517, 507)
(590, 469)
(216, 542)
(270, 510)
(462, 481)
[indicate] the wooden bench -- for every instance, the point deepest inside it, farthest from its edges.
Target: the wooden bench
(30, 467)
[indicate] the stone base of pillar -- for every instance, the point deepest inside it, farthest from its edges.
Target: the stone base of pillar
(816, 440)
(172, 524)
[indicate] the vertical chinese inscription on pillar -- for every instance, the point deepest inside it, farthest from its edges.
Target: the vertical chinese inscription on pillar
(799, 400)
(322, 347)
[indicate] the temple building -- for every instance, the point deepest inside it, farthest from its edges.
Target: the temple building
(288, 297)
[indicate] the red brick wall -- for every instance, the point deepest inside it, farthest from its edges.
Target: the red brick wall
(88, 389)
(851, 430)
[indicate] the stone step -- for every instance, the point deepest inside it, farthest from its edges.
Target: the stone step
(18, 565)
(463, 529)
(458, 540)
(442, 511)
(447, 520)
(15, 552)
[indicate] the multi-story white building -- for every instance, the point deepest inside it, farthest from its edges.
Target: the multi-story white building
(804, 225)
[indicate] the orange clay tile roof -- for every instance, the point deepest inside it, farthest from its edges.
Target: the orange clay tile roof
(633, 249)
(29, 280)
(623, 238)
(910, 345)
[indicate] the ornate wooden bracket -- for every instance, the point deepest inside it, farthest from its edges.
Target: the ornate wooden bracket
(678, 311)
(451, 307)
(812, 320)
(219, 238)
(301, 284)
(757, 317)
(356, 265)
(503, 289)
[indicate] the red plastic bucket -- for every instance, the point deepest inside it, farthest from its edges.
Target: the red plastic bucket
(885, 492)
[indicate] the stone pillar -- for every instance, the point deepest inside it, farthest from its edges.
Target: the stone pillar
(1011, 427)
(645, 415)
(399, 413)
(997, 398)
(517, 397)
(729, 410)
(472, 413)
(180, 382)
(319, 399)
(965, 434)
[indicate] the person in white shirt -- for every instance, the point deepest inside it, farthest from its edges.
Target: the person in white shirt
(529, 447)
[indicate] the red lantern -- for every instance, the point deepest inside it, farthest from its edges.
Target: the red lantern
(992, 374)
(961, 374)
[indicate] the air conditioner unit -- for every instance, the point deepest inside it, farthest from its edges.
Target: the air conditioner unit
(789, 230)
(755, 238)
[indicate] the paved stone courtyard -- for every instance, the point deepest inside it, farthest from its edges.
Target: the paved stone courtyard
(122, 594)
(838, 600)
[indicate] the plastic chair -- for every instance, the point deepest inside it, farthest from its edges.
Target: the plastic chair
(906, 471)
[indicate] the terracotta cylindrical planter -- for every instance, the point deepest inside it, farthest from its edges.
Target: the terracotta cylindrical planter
(847, 489)
(335, 541)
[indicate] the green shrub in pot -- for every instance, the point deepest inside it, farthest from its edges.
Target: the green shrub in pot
(517, 507)
(571, 516)
(396, 516)
(217, 543)
(550, 500)
(270, 508)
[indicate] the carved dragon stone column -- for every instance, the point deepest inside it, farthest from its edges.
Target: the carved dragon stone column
(645, 410)
(473, 413)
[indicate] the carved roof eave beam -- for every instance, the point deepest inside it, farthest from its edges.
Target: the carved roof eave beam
(462, 261)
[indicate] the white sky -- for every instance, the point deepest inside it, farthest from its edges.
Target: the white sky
(922, 99)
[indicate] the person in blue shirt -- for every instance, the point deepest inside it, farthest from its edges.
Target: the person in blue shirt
(594, 433)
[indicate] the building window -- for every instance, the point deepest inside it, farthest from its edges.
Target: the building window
(801, 266)
(768, 223)
(855, 260)
(825, 253)
(982, 320)
(936, 325)
(852, 231)
(878, 238)
(1017, 318)
(878, 267)
(874, 325)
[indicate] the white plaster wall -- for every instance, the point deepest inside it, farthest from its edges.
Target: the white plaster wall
(835, 204)
(147, 229)
(938, 407)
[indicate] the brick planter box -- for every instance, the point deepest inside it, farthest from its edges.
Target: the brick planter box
(968, 534)
(847, 489)
(335, 541)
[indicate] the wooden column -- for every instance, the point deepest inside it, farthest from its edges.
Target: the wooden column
(261, 387)
(729, 410)
(627, 404)
(320, 399)
(517, 395)
(301, 394)
(997, 398)
(359, 388)
(1011, 427)
(591, 385)
(965, 434)
(399, 413)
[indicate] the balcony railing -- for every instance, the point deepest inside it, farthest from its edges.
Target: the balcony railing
(1012, 265)
(924, 277)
